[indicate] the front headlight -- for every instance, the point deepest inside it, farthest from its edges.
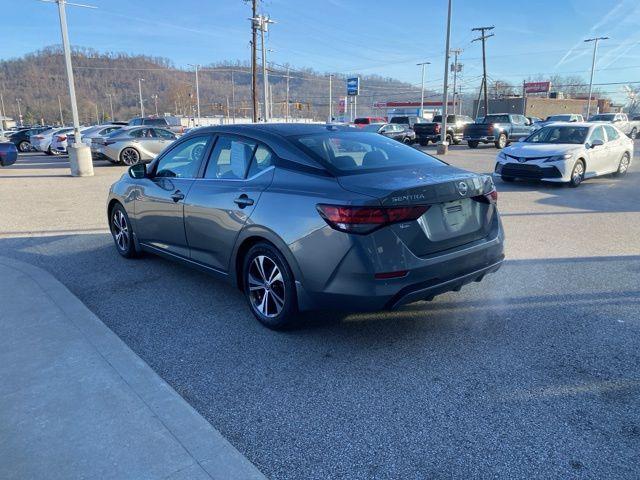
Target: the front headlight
(556, 158)
(502, 156)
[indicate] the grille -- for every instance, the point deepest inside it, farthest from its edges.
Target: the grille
(522, 170)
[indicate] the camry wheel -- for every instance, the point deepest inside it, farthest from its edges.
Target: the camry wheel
(577, 174)
(269, 286)
(122, 232)
(623, 166)
(129, 156)
(502, 141)
(24, 146)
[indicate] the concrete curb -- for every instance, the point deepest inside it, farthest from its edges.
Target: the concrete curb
(214, 457)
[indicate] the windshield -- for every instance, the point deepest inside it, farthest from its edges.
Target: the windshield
(450, 119)
(562, 134)
(495, 119)
(361, 121)
(359, 152)
(603, 118)
(559, 118)
(399, 120)
(155, 121)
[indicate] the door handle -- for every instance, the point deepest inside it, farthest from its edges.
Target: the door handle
(177, 196)
(243, 201)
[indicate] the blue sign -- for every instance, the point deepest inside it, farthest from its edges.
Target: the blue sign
(353, 86)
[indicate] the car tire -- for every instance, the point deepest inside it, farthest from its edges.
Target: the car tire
(623, 166)
(406, 141)
(577, 174)
(129, 156)
(501, 142)
(24, 146)
(449, 139)
(122, 232)
(473, 143)
(633, 134)
(508, 179)
(269, 286)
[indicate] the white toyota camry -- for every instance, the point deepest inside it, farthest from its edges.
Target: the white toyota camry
(566, 152)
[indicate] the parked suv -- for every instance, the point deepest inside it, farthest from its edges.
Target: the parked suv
(407, 120)
(432, 131)
(497, 128)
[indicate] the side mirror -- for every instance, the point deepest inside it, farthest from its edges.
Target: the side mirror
(139, 170)
(597, 143)
(8, 154)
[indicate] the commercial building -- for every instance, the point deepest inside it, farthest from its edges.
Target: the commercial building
(542, 107)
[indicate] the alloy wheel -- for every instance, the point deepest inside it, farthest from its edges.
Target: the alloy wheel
(266, 286)
(120, 230)
(502, 141)
(578, 173)
(24, 146)
(624, 163)
(130, 156)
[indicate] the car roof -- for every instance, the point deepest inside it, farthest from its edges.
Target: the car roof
(280, 129)
(574, 124)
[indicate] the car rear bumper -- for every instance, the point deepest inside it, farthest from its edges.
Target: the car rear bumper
(481, 138)
(352, 285)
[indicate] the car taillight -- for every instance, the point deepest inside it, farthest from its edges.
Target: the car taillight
(38, 137)
(437, 128)
(361, 220)
(61, 138)
(491, 197)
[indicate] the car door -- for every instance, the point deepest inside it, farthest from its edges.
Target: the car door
(219, 203)
(598, 155)
(614, 148)
(159, 205)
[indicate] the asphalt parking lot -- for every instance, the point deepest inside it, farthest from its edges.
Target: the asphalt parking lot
(535, 372)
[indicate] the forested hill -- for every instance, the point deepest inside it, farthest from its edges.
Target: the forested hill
(38, 79)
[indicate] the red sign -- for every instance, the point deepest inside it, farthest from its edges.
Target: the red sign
(537, 87)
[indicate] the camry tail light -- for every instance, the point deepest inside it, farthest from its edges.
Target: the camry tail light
(61, 138)
(362, 220)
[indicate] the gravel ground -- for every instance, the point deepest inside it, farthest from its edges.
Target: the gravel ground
(535, 372)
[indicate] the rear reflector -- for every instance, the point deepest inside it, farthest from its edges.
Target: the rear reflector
(363, 220)
(388, 275)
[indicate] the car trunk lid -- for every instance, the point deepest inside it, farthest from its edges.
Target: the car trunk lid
(459, 212)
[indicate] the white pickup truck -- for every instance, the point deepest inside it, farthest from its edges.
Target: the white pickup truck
(620, 120)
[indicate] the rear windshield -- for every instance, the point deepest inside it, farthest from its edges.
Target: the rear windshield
(359, 152)
(361, 121)
(495, 119)
(603, 118)
(559, 134)
(559, 118)
(399, 120)
(450, 119)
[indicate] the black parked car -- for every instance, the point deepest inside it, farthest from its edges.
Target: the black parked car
(407, 120)
(21, 138)
(397, 132)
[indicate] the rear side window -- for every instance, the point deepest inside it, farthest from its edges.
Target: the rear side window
(598, 134)
(230, 158)
(262, 159)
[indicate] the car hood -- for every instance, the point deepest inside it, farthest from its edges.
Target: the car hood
(522, 149)
(417, 184)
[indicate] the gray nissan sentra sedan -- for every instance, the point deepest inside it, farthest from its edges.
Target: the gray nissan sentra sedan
(304, 217)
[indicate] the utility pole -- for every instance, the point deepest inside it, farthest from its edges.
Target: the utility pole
(254, 58)
(263, 23)
(18, 101)
(423, 65)
(97, 114)
(593, 66)
(140, 80)
(111, 105)
(443, 146)
(330, 97)
(4, 114)
(456, 52)
(155, 101)
(196, 66)
(483, 38)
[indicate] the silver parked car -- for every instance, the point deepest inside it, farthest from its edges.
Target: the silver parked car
(303, 216)
(42, 141)
(132, 145)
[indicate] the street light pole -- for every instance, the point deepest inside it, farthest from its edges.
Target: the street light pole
(423, 64)
(444, 145)
(593, 66)
(79, 154)
(155, 101)
(60, 108)
(196, 66)
(140, 80)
